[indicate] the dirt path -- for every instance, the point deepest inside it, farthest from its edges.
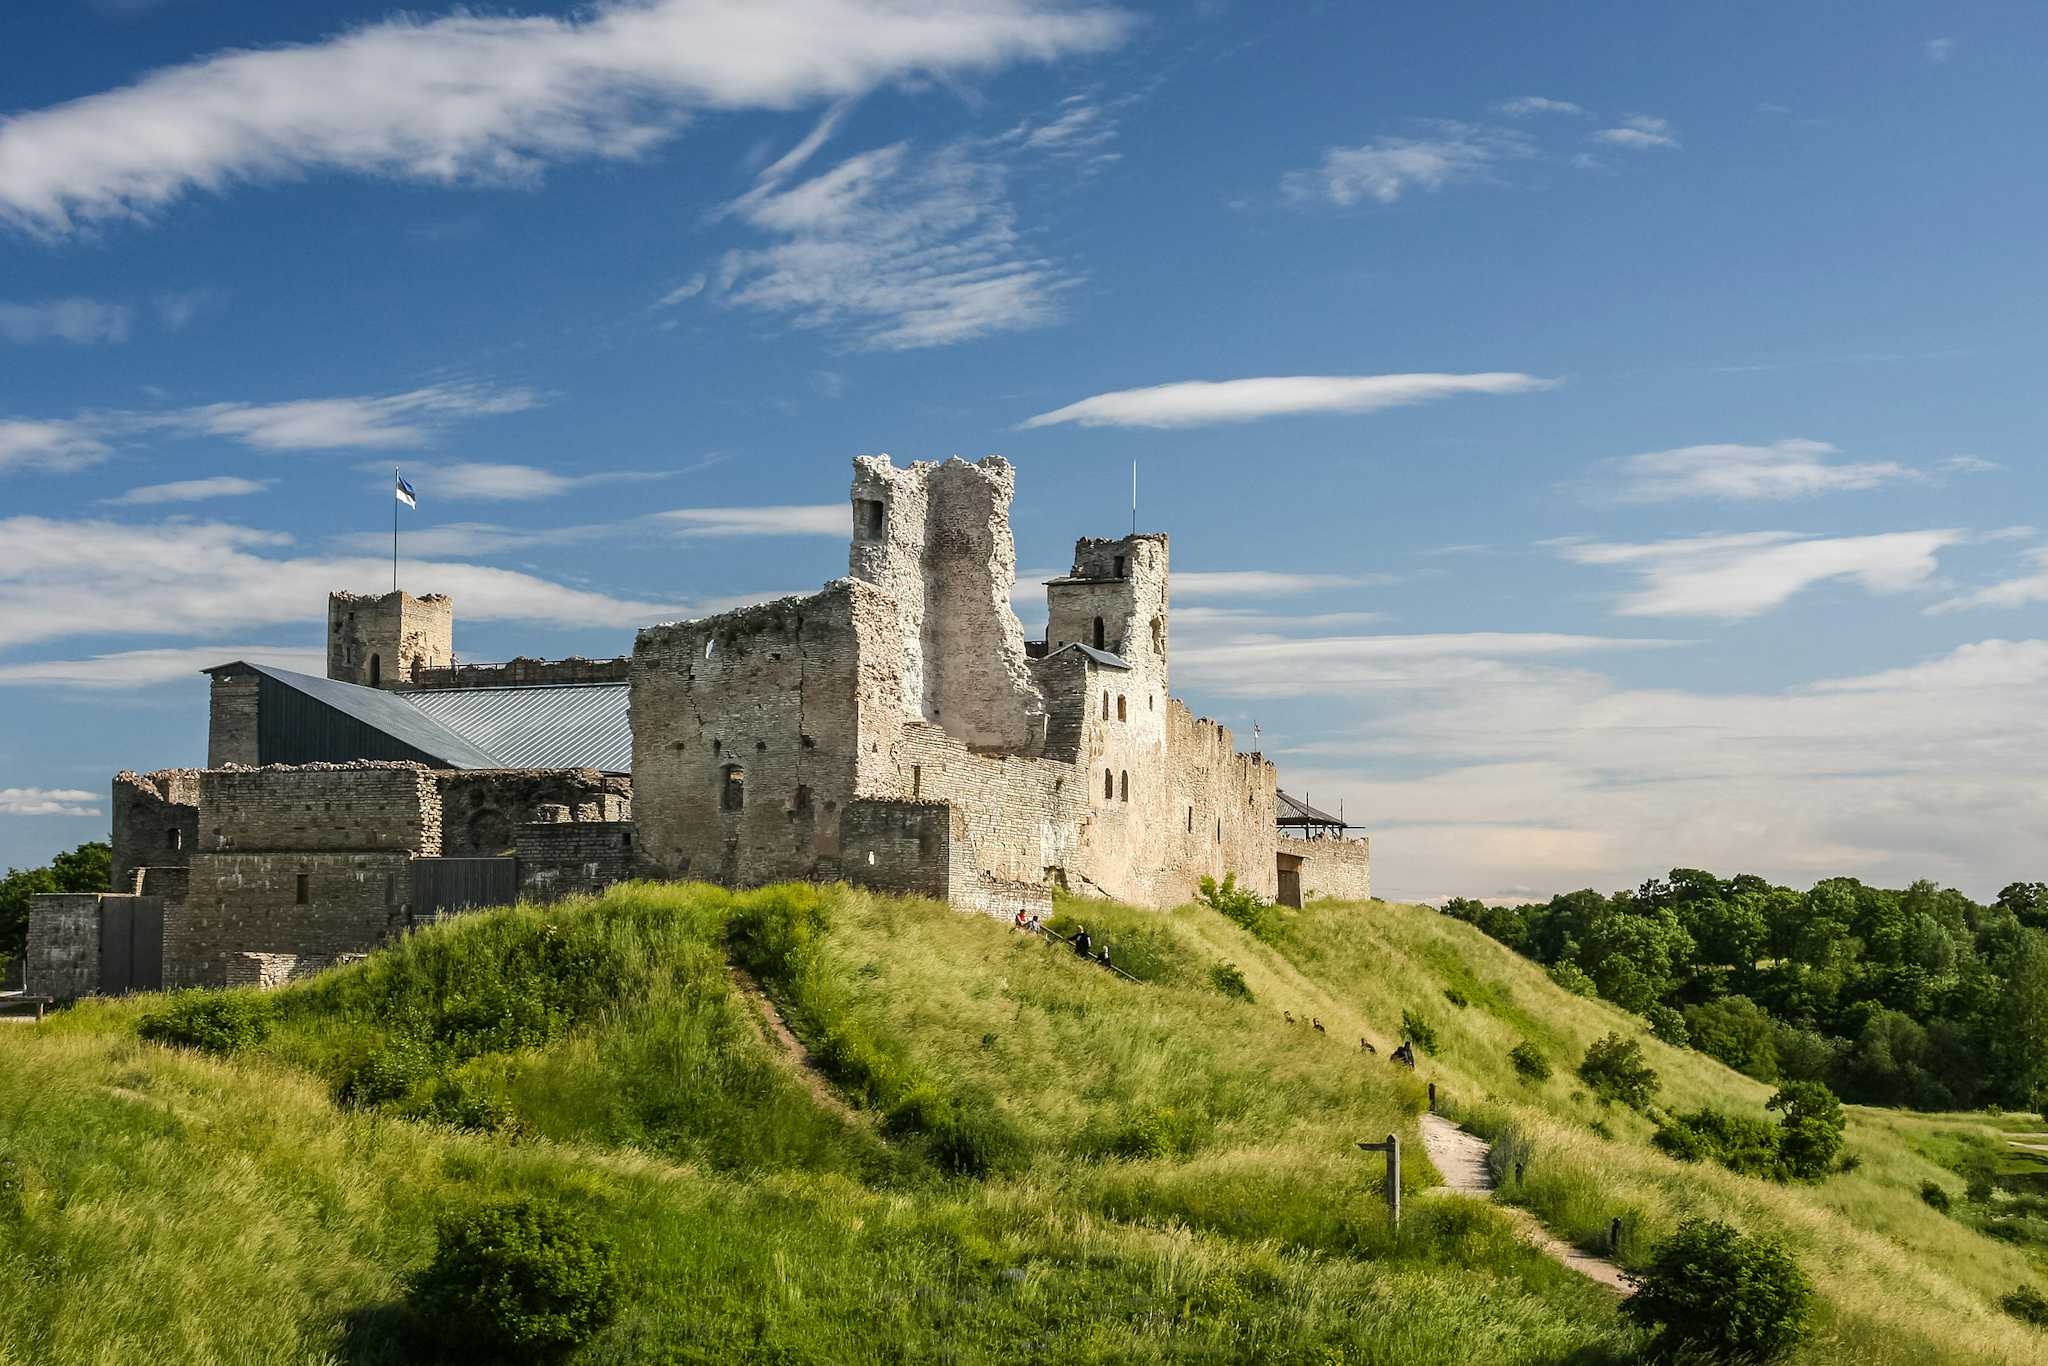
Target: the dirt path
(1461, 1157)
(801, 1064)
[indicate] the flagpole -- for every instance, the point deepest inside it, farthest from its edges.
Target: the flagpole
(394, 528)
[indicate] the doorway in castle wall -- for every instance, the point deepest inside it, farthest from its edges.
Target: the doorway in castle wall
(1290, 880)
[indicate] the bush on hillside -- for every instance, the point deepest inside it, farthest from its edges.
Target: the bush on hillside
(2027, 1305)
(387, 1074)
(1419, 1030)
(1456, 997)
(1530, 1064)
(1810, 1134)
(1573, 978)
(1614, 1070)
(1716, 1292)
(1228, 979)
(1937, 1197)
(218, 1022)
(1241, 905)
(519, 1281)
(1745, 1144)
(1668, 1025)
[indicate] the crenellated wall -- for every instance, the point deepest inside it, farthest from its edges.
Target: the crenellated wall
(155, 823)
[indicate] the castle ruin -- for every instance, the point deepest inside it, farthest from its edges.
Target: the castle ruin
(894, 730)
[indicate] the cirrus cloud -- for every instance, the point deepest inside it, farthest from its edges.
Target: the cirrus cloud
(1198, 403)
(1743, 575)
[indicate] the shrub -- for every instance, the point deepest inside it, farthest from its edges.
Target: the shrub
(1419, 1029)
(1810, 1134)
(966, 1137)
(1239, 904)
(1936, 1195)
(1715, 1291)
(1615, 1071)
(519, 1280)
(386, 1075)
(1226, 978)
(1744, 1144)
(1456, 997)
(2027, 1305)
(1573, 978)
(211, 1021)
(1530, 1064)
(1668, 1025)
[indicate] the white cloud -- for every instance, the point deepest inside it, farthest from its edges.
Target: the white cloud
(474, 98)
(898, 251)
(1742, 575)
(1536, 104)
(515, 483)
(1387, 167)
(191, 490)
(178, 308)
(1521, 780)
(1784, 469)
(1263, 664)
(1263, 583)
(1196, 403)
(1940, 49)
(682, 293)
(146, 668)
(47, 801)
(1968, 464)
(381, 422)
(71, 320)
(2019, 591)
(1639, 131)
(69, 578)
(1081, 132)
(54, 445)
(819, 519)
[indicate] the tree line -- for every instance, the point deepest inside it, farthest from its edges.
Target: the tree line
(1920, 998)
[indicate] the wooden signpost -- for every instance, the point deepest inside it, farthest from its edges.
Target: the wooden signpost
(1392, 1148)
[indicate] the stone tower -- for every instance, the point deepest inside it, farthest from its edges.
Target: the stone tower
(382, 641)
(1114, 599)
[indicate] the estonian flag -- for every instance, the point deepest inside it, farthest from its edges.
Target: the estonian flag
(404, 491)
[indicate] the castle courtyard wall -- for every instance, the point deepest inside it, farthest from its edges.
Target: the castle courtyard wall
(1340, 869)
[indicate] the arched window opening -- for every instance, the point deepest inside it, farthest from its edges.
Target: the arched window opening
(1159, 635)
(1105, 704)
(733, 791)
(376, 671)
(1099, 637)
(1108, 785)
(1120, 714)
(1126, 795)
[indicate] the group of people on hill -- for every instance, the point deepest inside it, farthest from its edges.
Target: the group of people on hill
(1083, 944)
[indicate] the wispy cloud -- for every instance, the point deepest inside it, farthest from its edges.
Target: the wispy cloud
(47, 801)
(62, 578)
(1265, 583)
(517, 483)
(1262, 664)
(54, 445)
(1080, 132)
(682, 293)
(144, 668)
(1735, 576)
(2027, 587)
(1197, 403)
(469, 98)
(1792, 468)
(1967, 464)
(1536, 104)
(1386, 168)
(80, 321)
(191, 490)
(1940, 49)
(897, 250)
(818, 519)
(1639, 131)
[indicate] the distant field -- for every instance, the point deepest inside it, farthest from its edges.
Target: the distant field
(1044, 1161)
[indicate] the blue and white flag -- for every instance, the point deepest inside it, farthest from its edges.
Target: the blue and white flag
(404, 491)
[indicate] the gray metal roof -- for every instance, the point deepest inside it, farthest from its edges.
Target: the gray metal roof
(570, 725)
(1102, 657)
(1294, 811)
(388, 712)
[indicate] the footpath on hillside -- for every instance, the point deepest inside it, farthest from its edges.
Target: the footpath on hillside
(1461, 1157)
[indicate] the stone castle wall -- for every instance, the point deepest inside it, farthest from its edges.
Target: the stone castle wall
(1340, 869)
(569, 858)
(1224, 807)
(154, 823)
(483, 809)
(518, 673)
(234, 710)
(63, 958)
(375, 640)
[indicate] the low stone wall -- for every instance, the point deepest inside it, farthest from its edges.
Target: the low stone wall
(155, 822)
(63, 955)
(517, 673)
(268, 971)
(250, 903)
(1341, 869)
(900, 848)
(571, 858)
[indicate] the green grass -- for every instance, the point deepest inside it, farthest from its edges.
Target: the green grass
(1047, 1162)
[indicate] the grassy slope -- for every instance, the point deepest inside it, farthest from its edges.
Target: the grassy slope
(1176, 1176)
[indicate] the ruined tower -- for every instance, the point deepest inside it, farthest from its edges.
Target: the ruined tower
(382, 640)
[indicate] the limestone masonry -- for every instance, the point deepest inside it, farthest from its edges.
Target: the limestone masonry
(894, 730)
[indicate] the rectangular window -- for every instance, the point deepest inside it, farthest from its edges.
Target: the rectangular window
(917, 780)
(302, 891)
(867, 518)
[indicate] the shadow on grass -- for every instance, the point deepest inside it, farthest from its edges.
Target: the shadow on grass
(389, 1334)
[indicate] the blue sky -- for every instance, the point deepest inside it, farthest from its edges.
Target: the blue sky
(1593, 441)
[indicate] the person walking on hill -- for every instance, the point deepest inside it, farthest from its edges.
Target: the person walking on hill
(1022, 923)
(1082, 943)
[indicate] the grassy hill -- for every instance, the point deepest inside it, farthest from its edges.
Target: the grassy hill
(1042, 1160)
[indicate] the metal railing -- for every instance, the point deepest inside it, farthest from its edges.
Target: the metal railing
(1052, 935)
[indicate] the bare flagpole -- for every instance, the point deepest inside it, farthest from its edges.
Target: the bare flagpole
(394, 528)
(1134, 497)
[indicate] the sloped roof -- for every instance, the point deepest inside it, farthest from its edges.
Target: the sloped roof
(570, 725)
(1102, 657)
(582, 725)
(1294, 811)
